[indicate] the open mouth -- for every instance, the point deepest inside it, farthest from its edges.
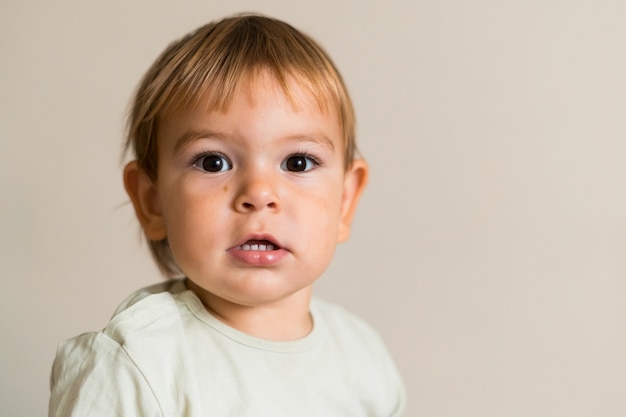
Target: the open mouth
(257, 245)
(258, 250)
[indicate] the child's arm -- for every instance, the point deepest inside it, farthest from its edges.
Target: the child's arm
(93, 376)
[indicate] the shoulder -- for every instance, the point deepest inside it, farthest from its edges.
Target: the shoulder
(343, 324)
(95, 366)
(93, 375)
(152, 310)
(361, 348)
(352, 336)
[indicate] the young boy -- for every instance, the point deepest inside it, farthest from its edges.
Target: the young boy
(244, 180)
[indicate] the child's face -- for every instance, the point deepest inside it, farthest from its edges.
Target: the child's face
(252, 200)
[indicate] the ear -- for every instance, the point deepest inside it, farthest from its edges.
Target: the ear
(355, 180)
(144, 196)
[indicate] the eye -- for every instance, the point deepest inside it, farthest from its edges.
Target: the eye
(213, 163)
(299, 163)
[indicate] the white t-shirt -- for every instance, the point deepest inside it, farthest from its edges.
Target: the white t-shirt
(164, 355)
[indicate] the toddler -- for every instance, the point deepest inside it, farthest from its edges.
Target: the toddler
(244, 179)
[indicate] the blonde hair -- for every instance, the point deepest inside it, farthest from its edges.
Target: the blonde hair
(208, 65)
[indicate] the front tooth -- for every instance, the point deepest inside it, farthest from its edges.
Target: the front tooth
(257, 247)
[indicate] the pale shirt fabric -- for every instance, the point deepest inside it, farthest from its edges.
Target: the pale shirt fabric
(164, 355)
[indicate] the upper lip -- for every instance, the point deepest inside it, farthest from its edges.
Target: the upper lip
(259, 236)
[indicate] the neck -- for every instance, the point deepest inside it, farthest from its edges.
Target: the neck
(283, 320)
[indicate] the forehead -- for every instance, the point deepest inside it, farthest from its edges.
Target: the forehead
(260, 106)
(217, 96)
(263, 86)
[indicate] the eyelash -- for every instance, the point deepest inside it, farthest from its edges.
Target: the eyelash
(197, 158)
(195, 161)
(304, 154)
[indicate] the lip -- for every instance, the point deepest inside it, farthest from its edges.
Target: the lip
(259, 257)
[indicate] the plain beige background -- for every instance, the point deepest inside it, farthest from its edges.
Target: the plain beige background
(489, 249)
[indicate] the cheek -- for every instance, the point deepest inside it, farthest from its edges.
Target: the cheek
(321, 213)
(188, 212)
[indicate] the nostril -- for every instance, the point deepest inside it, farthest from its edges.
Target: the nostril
(252, 206)
(250, 202)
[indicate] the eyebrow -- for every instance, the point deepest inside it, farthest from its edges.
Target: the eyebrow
(193, 135)
(319, 138)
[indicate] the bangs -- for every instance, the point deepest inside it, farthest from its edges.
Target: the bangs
(210, 65)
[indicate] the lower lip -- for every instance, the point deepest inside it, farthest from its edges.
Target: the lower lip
(259, 257)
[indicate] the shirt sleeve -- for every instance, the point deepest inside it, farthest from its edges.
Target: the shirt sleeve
(93, 376)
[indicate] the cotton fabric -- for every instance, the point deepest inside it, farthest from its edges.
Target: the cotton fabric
(163, 354)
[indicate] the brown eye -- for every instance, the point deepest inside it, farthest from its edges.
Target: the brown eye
(213, 163)
(298, 163)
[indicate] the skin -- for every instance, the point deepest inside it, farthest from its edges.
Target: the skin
(275, 175)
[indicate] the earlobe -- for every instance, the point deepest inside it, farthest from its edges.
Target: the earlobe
(355, 181)
(144, 196)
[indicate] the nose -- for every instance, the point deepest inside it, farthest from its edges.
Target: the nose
(257, 192)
